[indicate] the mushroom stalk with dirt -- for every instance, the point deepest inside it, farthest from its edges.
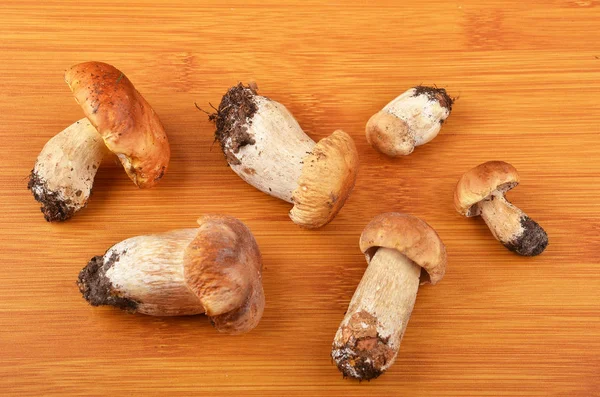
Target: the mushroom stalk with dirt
(481, 190)
(119, 120)
(64, 173)
(215, 269)
(410, 120)
(402, 251)
(266, 147)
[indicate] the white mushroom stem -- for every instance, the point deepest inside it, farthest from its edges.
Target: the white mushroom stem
(273, 164)
(421, 113)
(502, 217)
(65, 169)
(369, 337)
(145, 274)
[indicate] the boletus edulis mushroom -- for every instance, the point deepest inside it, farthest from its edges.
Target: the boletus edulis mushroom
(266, 147)
(117, 119)
(481, 190)
(215, 269)
(402, 252)
(410, 120)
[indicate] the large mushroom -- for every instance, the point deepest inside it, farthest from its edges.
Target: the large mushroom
(266, 147)
(481, 190)
(118, 119)
(215, 269)
(411, 119)
(402, 252)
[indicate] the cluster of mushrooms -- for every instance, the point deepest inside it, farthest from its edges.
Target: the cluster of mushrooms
(216, 269)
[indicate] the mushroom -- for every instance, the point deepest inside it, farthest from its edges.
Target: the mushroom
(117, 118)
(412, 119)
(266, 147)
(214, 269)
(402, 251)
(481, 190)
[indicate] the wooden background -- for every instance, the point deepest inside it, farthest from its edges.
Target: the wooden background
(527, 74)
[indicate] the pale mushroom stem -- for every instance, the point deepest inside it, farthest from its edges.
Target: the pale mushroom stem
(422, 112)
(412, 119)
(64, 172)
(369, 337)
(273, 163)
(502, 217)
(512, 227)
(143, 274)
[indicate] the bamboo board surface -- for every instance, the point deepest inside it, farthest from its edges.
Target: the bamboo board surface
(527, 74)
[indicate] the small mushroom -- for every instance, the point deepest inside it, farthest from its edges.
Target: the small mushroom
(412, 119)
(266, 147)
(481, 190)
(119, 119)
(215, 269)
(402, 251)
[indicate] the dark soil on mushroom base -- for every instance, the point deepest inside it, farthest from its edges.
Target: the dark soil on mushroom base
(361, 352)
(436, 94)
(533, 241)
(97, 288)
(354, 362)
(232, 120)
(53, 208)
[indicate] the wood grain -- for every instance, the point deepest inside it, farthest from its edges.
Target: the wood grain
(527, 74)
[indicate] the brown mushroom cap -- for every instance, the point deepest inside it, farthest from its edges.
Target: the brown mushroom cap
(390, 135)
(478, 183)
(410, 236)
(124, 119)
(327, 179)
(222, 266)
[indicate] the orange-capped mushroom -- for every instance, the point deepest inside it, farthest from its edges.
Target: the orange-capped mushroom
(118, 119)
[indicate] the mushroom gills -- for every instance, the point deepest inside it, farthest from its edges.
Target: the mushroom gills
(369, 337)
(512, 227)
(64, 172)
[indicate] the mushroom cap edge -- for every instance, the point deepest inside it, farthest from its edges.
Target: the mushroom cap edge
(327, 179)
(412, 237)
(223, 267)
(479, 182)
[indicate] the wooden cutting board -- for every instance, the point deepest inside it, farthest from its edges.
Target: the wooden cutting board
(527, 77)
